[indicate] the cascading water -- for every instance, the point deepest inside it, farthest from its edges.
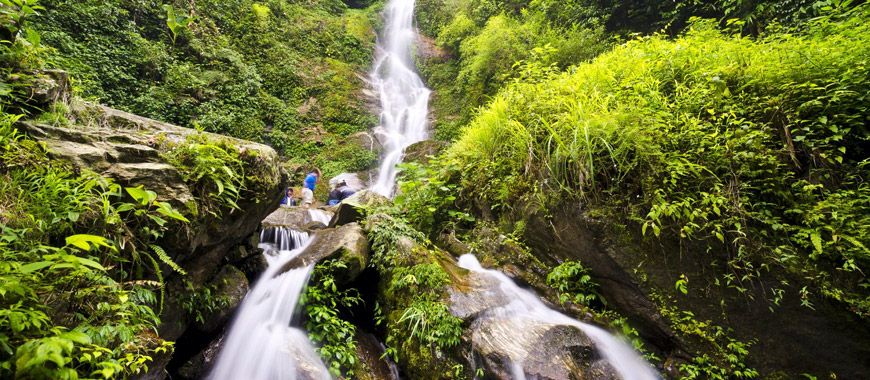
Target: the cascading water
(403, 96)
(261, 343)
(525, 306)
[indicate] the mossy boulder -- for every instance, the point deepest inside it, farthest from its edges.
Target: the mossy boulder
(347, 243)
(354, 208)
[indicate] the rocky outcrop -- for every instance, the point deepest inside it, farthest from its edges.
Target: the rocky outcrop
(346, 243)
(353, 209)
(630, 268)
(132, 151)
(421, 151)
(510, 343)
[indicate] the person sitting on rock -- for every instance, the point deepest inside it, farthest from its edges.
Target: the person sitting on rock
(344, 191)
(334, 196)
(289, 198)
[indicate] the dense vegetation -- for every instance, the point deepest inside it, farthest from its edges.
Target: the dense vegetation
(742, 132)
(274, 71)
(744, 135)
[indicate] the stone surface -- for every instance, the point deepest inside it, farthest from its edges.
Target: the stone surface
(346, 243)
(199, 365)
(372, 363)
(420, 151)
(230, 285)
(787, 340)
(127, 148)
(298, 218)
(353, 209)
(506, 344)
(367, 141)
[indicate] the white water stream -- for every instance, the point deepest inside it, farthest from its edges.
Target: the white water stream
(403, 96)
(525, 305)
(261, 343)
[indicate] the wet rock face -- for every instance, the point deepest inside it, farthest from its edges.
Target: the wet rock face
(297, 218)
(420, 151)
(353, 209)
(230, 286)
(347, 243)
(787, 341)
(509, 346)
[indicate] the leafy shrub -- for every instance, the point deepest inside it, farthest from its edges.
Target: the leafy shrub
(710, 137)
(573, 283)
(334, 335)
(79, 266)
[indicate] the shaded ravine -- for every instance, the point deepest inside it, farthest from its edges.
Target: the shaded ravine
(403, 97)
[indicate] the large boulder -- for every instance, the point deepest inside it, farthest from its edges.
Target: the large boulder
(421, 151)
(297, 218)
(353, 209)
(634, 273)
(132, 150)
(514, 338)
(229, 287)
(346, 243)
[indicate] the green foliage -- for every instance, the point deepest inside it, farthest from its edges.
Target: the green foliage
(427, 199)
(283, 73)
(213, 168)
(201, 301)
(737, 143)
(726, 358)
(334, 335)
(177, 23)
(418, 319)
(78, 258)
(573, 283)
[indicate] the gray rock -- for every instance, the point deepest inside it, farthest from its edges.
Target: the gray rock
(421, 151)
(297, 218)
(231, 286)
(353, 209)
(367, 141)
(346, 243)
(372, 363)
(199, 365)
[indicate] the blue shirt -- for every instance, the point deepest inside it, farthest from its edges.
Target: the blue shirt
(310, 181)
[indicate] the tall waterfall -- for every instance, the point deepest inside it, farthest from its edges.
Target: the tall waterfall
(525, 305)
(261, 343)
(403, 96)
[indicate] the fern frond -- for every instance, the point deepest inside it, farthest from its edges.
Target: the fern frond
(166, 259)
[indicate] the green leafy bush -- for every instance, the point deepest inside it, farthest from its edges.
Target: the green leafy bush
(753, 144)
(334, 335)
(79, 266)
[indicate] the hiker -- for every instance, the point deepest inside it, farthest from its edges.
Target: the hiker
(311, 179)
(289, 198)
(345, 191)
(334, 196)
(340, 193)
(308, 186)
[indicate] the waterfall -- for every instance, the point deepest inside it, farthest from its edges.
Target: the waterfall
(403, 96)
(318, 215)
(525, 305)
(261, 343)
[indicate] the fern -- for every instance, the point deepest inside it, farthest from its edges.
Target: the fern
(166, 259)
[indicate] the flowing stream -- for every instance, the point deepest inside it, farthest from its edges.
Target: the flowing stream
(525, 305)
(403, 96)
(262, 343)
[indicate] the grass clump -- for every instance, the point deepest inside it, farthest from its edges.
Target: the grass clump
(757, 145)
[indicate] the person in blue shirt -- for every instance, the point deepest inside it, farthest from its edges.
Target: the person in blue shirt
(289, 198)
(311, 179)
